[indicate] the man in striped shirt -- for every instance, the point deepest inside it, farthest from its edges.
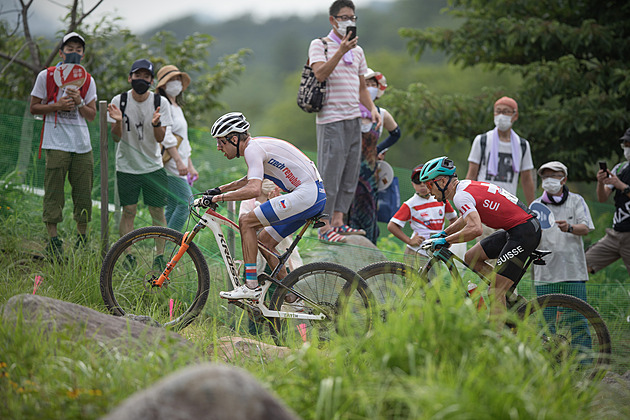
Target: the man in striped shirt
(341, 62)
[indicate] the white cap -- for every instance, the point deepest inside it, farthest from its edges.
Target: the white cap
(554, 165)
(71, 35)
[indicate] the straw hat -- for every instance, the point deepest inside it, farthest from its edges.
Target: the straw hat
(380, 79)
(168, 72)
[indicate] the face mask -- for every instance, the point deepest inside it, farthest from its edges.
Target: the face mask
(140, 86)
(73, 58)
(552, 185)
(626, 152)
(503, 122)
(173, 88)
(342, 27)
(373, 91)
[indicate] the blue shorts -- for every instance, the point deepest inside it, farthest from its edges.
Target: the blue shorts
(286, 213)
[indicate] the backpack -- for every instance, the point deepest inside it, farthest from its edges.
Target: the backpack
(53, 91)
(312, 93)
(157, 100)
(484, 139)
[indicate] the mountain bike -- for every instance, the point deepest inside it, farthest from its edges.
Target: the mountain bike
(320, 298)
(568, 326)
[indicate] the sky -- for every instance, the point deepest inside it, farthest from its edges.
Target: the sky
(140, 15)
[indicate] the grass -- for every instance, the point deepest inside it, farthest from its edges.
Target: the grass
(426, 362)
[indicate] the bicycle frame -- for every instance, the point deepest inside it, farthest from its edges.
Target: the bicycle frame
(213, 220)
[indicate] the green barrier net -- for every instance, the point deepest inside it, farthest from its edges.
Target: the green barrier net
(608, 291)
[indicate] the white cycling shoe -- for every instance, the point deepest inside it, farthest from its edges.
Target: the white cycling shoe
(242, 292)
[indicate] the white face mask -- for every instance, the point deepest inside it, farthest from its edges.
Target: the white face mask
(373, 91)
(342, 27)
(626, 152)
(173, 88)
(552, 185)
(503, 122)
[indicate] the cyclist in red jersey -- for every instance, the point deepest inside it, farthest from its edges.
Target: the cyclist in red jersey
(483, 202)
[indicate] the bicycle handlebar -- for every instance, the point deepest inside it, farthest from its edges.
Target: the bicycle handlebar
(205, 202)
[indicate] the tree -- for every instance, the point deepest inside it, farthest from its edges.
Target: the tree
(574, 97)
(110, 51)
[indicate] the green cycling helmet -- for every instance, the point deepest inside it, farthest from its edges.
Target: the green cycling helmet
(437, 167)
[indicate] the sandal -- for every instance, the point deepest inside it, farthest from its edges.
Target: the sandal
(347, 230)
(330, 236)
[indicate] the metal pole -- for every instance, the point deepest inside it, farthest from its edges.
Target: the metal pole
(102, 108)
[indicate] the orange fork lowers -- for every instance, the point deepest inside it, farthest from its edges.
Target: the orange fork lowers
(171, 264)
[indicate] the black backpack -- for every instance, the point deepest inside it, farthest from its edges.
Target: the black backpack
(484, 139)
(312, 93)
(157, 100)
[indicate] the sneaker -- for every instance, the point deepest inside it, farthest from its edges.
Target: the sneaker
(130, 262)
(347, 230)
(158, 263)
(331, 236)
(81, 241)
(242, 292)
(54, 249)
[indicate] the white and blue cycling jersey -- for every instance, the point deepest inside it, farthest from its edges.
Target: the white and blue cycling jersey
(292, 171)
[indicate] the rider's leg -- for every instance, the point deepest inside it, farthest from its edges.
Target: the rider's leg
(249, 225)
(477, 258)
(272, 260)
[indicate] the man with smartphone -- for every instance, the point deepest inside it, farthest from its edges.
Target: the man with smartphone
(339, 61)
(616, 243)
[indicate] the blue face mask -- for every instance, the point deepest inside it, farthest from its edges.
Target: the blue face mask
(73, 58)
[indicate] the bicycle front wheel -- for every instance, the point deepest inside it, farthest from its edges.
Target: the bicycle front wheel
(569, 327)
(137, 259)
(330, 289)
(387, 280)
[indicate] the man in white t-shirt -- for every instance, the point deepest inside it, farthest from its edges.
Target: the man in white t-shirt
(565, 219)
(339, 61)
(66, 141)
(139, 125)
(501, 156)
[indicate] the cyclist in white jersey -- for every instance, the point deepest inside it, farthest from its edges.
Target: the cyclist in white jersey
(285, 165)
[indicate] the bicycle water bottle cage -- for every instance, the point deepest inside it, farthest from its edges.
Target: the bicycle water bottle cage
(537, 256)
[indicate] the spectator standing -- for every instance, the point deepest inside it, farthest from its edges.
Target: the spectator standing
(171, 84)
(501, 156)
(616, 243)
(66, 142)
(425, 216)
(565, 219)
(143, 123)
(339, 61)
(363, 211)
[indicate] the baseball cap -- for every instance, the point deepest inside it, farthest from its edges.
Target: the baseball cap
(142, 64)
(73, 36)
(625, 137)
(554, 165)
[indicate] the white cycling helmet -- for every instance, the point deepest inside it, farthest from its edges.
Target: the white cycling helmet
(232, 122)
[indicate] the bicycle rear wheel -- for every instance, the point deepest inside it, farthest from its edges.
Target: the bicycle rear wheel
(569, 327)
(134, 261)
(338, 292)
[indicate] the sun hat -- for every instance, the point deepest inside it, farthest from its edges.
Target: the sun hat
(168, 72)
(72, 36)
(380, 79)
(555, 166)
(625, 137)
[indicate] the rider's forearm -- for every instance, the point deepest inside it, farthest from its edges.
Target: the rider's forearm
(456, 226)
(234, 185)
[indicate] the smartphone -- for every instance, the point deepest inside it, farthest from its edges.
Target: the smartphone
(352, 30)
(602, 166)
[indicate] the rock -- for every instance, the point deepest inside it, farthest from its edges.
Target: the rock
(230, 349)
(206, 391)
(113, 331)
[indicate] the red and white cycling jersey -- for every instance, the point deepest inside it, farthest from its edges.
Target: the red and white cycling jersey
(425, 216)
(497, 208)
(280, 162)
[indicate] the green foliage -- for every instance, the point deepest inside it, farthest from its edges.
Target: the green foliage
(571, 57)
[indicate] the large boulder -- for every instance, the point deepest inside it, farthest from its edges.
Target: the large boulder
(231, 349)
(206, 391)
(123, 333)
